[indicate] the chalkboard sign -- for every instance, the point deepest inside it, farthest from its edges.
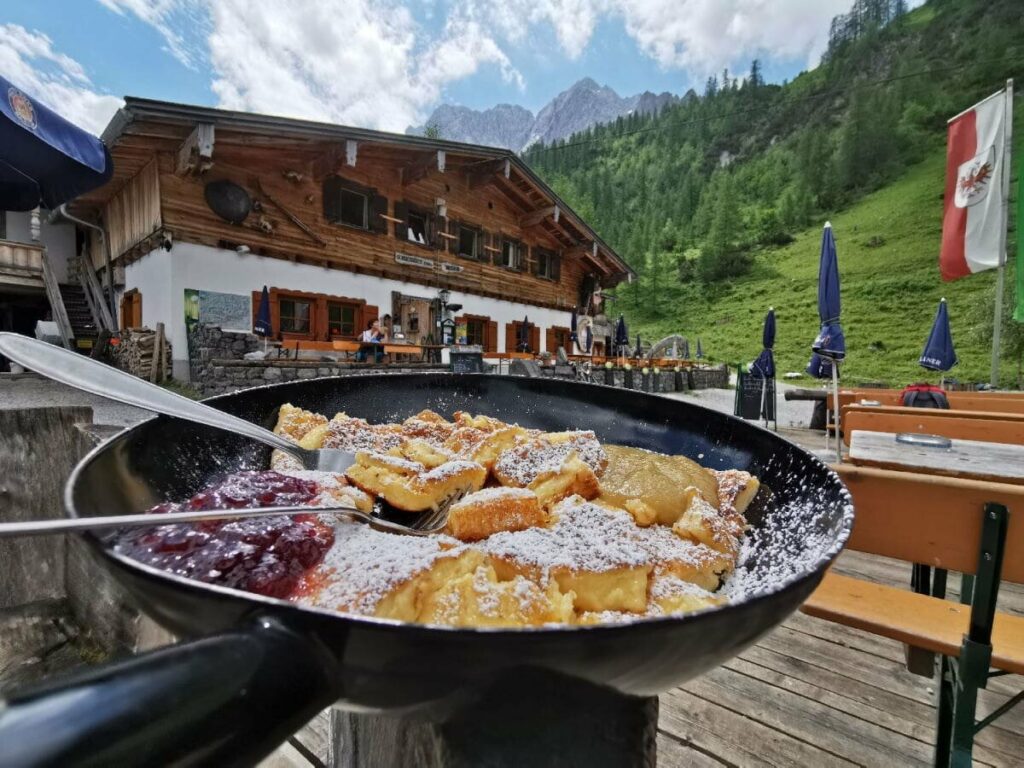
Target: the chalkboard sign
(751, 391)
(467, 362)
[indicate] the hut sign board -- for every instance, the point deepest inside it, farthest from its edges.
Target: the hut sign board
(413, 261)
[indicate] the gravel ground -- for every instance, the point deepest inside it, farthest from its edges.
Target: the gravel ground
(27, 391)
(795, 413)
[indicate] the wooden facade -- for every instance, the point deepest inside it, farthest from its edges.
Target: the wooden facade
(483, 223)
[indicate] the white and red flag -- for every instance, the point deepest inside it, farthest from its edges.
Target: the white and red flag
(974, 217)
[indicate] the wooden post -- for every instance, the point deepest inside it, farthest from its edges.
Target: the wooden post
(158, 355)
(526, 717)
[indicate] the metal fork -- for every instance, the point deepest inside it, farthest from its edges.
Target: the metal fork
(432, 522)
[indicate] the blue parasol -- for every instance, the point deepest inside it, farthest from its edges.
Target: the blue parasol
(830, 342)
(819, 367)
(700, 352)
(939, 354)
(764, 365)
(588, 339)
(523, 342)
(262, 325)
(686, 349)
(639, 351)
(44, 159)
(573, 335)
(621, 335)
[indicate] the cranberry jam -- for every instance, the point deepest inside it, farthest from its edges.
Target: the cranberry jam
(263, 555)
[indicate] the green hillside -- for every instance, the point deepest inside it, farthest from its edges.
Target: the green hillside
(888, 262)
(717, 202)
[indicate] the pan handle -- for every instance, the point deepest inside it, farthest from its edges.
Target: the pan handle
(228, 699)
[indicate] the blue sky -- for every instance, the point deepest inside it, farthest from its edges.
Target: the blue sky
(386, 64)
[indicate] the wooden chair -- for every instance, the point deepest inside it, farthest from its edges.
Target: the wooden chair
(960, 525)
(963, 425)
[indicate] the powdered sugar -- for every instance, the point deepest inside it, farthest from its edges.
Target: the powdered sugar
(539, 456)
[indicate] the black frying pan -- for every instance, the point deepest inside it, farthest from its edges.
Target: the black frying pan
(263, 667)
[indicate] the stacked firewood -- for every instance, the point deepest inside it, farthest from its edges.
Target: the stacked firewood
(144, 353)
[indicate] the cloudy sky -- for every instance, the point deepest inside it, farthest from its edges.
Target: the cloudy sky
(386, 64)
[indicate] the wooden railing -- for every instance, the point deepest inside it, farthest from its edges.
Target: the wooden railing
(21, 257)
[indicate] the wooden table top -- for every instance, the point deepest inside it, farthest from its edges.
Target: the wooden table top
(972, 459)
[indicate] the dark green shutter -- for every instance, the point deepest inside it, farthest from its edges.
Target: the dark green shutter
(332, 199)
(378, 205)
(402, 212)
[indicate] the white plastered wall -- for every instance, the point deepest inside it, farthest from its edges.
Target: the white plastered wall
(59, 239)
(166, 275)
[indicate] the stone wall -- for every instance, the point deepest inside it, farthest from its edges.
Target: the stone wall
(207, 343)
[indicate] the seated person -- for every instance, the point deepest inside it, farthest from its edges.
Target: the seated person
(372, 335)
(386, 330)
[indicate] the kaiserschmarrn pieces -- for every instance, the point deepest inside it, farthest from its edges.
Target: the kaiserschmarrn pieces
(410, 486)
(491, 510)
(551, 527)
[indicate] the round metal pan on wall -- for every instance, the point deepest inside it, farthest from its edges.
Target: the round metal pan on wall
(261, 667)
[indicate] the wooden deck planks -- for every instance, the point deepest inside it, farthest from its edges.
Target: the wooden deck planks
(816, 693)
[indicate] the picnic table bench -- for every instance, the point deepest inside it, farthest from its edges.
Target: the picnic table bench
(1001, 402)
(948, 524)
(993, 427)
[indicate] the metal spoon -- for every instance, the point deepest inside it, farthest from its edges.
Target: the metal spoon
(149, 520)
(89, 375)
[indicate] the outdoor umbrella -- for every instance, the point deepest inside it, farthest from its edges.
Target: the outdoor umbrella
(830, 343)
(939, 354)
(639, 351)
(588, 339)
(764, 365)
(262, 325)
(44, 160)
(621, 335)
(686, 349)
(574, 337)
(819, 367)
(523, 343)
(700, 352)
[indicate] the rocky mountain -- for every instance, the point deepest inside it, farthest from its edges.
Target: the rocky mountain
(584, 104)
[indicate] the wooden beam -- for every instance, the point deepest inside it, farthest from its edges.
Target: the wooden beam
(487, 173)
(195, 155)
(536, 217)
(423, 165)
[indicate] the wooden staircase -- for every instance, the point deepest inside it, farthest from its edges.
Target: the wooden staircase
(80, 316)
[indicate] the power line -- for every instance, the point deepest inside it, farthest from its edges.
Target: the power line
(787, 103)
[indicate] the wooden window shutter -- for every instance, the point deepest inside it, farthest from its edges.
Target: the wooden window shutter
(491, 342)
(535, 339)
(482, 254)
(402, 212)
(510, 337)
(378, 209)
(370, 313)
(549, 341)
(556, 268)
(332, 198)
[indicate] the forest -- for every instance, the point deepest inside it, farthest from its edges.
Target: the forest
(693, 194)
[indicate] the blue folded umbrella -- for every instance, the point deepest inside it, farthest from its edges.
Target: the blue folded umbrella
(686, 349)
(573, 335)
(262, 325)
(700, 352)
(44, 159)
(621, 334)
(939, 354)
(829, 342)
(819, 367)
(588, 339)
(764, 365)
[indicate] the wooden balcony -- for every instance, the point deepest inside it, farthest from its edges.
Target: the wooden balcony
(21, 264)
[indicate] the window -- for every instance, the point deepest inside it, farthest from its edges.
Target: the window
(561, 338)
(353, 205)
(475, 331)
(353, 208)
(468, 242)
(295, 316)
(341, 319)
(510, 254)
(547, 265)
(418, 227)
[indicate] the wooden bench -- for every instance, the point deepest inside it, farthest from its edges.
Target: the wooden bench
(345, 346)
(949, 525)
(998, 402)
(963, 425)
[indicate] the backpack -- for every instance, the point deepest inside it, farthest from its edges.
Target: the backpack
(925, 396)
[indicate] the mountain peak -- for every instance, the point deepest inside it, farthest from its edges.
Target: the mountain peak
(583, 104)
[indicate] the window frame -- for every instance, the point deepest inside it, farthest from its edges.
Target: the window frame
(477, 244)
(517, 258)
(342, 185)
(310, 317)
(342, 305)
(478, 322)
(342, 191)
(549, 258)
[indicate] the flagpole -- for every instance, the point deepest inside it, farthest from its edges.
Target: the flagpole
(997, 322)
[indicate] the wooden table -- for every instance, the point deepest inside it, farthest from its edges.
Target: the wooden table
(971, 459)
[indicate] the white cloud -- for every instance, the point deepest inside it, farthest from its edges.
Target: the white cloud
(177, 21)
(28, 59)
